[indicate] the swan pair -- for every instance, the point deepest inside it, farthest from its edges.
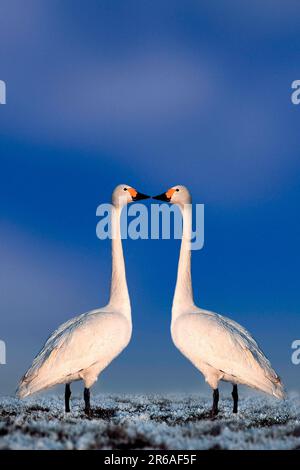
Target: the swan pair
(82, 348)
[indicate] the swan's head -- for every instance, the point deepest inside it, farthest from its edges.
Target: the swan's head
(176, 195)
(124, 194)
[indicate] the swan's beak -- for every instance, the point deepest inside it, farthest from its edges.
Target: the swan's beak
(140, 196)
(162, 197)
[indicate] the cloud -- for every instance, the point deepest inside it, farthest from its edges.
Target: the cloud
(166, 105)
(20, 24)
(131, 94)
(267, 17)
(39, 279)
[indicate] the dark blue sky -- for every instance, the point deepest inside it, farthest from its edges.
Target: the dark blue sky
(150, 94)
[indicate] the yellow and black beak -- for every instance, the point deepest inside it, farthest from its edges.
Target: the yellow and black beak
(162, 197)
(166, 196)
(136, 196)
(140, 196)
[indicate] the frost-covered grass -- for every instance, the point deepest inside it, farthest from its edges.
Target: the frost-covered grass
(149, 422)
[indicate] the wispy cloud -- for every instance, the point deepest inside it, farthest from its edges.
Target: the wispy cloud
(170, 97)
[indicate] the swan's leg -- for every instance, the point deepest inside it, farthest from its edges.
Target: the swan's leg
(67, 397)
(215, 410)
(86, 395)
(235, 397)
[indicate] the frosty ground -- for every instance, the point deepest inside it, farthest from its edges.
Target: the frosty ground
(149, 422)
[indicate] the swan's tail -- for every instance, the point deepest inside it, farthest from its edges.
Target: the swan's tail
(23, 391)
(278, 388)
(32, 383)
(26, 387)
(271, 385)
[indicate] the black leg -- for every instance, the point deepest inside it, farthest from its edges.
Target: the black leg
(86, 395)
(67, 398)
(235, 397)
(215, 410)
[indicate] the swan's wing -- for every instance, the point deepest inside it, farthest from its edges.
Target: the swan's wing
(74, 346)
(247, 341)
(55, 340)
(228, 347)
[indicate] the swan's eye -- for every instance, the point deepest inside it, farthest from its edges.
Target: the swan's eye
(177, 189)
(125, 189)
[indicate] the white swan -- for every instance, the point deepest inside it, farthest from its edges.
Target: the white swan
(83, 346)
(218, 346)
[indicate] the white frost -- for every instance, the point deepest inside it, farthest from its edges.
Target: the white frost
(149, 422)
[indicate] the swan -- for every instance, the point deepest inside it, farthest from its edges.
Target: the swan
(82, 348)
(217, 346)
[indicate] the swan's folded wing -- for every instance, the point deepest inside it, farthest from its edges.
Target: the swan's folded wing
(75, 346)
(229, 348)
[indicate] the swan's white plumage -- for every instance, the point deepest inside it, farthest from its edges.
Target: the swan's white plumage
(223, 350)
(79, 349)
(83, 346)
(218, 346)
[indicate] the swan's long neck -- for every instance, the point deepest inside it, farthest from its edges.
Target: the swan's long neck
(183, 296)
(119, 297)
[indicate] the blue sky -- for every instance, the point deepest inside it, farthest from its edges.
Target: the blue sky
(150, 94)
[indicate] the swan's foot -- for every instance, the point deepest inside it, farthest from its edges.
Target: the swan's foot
(86, 396)
(215, 409)
(67, 398)
(235, 397)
